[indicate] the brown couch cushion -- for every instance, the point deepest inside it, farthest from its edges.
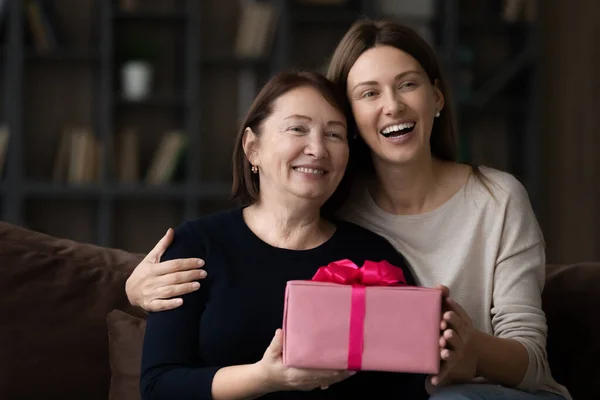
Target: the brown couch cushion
(126, 338)
(55, 295)
(572, 302)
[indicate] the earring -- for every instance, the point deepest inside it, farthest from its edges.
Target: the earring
(254, 169)
(437, 114)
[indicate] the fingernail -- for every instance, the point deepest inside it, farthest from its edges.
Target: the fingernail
(196, 285)
(203, 274)
(200, 262)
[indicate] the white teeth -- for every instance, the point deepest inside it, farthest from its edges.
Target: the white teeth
(310, 170)
(396, 128)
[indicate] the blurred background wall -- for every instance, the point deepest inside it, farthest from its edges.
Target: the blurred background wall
(569, 135)
(118, 117)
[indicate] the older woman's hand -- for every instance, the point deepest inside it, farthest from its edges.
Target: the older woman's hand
(154, 286)
(457, 346)
(279, 377)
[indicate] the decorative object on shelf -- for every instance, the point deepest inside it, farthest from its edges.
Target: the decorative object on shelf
(137, 80)
(137, 68)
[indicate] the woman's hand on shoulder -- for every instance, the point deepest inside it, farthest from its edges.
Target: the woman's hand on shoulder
(278, 377)
(155, 285)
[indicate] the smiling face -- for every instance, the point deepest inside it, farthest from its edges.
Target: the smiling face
(302, 149)
(394, 104)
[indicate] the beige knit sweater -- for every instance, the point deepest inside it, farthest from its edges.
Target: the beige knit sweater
(484, 244)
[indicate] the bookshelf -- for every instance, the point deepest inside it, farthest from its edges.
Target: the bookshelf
(201, 87)
(78, 84)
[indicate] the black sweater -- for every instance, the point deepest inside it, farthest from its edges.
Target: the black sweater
(232, 318)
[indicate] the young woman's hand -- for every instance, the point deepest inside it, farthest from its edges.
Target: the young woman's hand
(279, 377)
(457, 346)
(154, 286)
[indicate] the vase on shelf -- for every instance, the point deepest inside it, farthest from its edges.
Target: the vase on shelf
(138, 58)
(136, 77)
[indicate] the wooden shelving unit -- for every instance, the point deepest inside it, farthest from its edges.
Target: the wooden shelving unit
(202, 88)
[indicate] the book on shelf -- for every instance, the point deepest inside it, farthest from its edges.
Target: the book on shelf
(255, 29)
(78, 156)
(43, 25)
(167, 158)
(61, 160)
(83, 160)
(128, 155)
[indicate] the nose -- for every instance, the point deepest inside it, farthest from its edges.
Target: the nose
(392, 103)
(315, 146)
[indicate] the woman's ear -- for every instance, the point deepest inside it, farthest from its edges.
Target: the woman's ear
(250, 144)
(439, 95)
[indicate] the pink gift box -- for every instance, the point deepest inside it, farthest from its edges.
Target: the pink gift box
(397, 328)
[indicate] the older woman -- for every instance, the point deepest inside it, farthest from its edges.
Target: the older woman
(223, 342)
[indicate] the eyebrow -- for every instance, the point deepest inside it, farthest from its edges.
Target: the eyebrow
(397, 77)
(332, 122)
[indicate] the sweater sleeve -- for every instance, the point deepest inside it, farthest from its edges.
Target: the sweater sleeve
(518, 283)
(171, 367)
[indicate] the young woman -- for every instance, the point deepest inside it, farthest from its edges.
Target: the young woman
(471, 229)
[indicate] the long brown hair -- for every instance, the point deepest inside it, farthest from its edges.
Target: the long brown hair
(246, 185)
(366, 34)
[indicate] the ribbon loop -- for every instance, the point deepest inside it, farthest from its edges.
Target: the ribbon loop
(372, 273)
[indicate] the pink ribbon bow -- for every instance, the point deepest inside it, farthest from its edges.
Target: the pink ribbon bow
(372, 273)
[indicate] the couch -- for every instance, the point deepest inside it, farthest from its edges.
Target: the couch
(67, 330)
